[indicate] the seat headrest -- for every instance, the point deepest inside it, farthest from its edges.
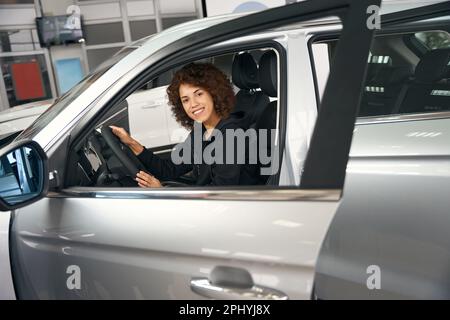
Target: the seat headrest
(268, 73)
(434, 66)
(245, 71)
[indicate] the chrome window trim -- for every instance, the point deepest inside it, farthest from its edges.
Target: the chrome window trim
(163, 151)
(242, 194)
(403, 117)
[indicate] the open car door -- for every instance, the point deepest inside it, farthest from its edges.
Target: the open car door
(389, 239)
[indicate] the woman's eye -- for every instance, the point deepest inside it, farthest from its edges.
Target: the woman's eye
(199, 93)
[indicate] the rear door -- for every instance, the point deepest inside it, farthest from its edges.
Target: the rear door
(389, 238)
(171, 244)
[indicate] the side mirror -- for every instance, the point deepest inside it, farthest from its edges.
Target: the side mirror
(23, 174)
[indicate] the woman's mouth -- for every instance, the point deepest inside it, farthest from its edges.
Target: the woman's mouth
(198, 111)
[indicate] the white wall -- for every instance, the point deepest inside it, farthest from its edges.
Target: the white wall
(56, 7)
(16, 16)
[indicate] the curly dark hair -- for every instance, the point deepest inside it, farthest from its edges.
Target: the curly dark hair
(207, 77)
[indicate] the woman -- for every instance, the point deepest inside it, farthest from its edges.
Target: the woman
(200, 93)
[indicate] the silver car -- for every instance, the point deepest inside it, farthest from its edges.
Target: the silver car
(322, 227)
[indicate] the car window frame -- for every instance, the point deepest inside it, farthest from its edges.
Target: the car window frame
(89, 121)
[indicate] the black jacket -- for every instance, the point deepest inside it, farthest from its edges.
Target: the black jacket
(206, 174)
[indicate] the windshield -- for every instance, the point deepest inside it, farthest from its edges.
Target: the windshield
(61, 103)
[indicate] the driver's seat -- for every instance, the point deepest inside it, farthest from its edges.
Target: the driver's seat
(268, 79)
(245, 77)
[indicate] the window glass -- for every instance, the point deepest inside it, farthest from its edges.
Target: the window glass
(104, 33)
(169, 22)
(98, 56)
(152, 121)
(434, 39)
(399, 81)
(142, 28)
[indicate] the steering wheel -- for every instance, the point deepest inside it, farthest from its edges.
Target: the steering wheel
(129, 160)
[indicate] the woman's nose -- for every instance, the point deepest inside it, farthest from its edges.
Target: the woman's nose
(194, 102)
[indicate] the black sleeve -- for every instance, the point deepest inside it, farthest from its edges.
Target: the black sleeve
(161, 168)
(225, 174)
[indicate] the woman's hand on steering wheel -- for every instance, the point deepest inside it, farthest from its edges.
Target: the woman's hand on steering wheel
(126, 139)
(146, 180)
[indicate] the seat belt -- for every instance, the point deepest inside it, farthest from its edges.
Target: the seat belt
(400, 98)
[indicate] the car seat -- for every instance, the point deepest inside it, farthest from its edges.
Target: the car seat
(248, 99)
(383, 85)
(429, 90)
(268, 76)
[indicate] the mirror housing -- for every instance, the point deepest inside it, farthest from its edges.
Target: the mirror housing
(23, 174)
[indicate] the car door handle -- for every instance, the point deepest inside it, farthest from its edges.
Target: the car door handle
(150, 106)
(233, 283)
(153, 104)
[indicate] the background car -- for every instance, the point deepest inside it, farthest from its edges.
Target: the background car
(150, 105)
(18, 118)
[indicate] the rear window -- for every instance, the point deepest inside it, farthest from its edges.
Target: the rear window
(400, 79)
(433, 39)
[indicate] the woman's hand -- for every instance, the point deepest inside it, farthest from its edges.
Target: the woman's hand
(126, 139)
(145, 180)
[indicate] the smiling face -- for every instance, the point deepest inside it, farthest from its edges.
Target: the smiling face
(198, 104)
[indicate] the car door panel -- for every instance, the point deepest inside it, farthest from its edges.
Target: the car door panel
(7, 291)
(396, 209)
(143, 249)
